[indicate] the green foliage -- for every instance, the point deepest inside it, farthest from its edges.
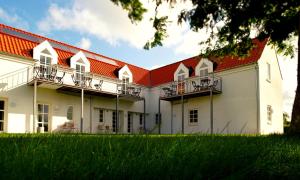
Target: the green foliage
(55, 156)
(134, 7)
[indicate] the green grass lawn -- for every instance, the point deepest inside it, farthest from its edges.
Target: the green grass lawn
(148, 157)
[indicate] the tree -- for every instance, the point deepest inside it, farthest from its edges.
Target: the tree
(277, 20)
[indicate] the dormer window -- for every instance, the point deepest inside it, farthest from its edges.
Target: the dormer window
(80, 70)
(81, 66)
(203, 68)
(126, 76)
(181, 73)
(45, 56)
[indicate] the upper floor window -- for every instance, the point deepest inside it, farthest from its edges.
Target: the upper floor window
(45, 54)
(181, 73)
(181, 76)
(268, 72)
(203, 70)
(80, 70)
(204, 67)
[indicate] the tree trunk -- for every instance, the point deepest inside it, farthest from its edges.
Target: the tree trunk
(295, 124)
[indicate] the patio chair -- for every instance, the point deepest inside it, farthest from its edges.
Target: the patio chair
(196, 86)
(59, 79)
(99, 85)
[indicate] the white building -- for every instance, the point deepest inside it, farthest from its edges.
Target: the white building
(49, 86)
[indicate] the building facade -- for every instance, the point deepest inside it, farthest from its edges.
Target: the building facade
(49, 86)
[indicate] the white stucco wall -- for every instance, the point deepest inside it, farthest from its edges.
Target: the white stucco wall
(270, 93)
(235, 109)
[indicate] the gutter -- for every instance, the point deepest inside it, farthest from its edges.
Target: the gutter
(257, 98)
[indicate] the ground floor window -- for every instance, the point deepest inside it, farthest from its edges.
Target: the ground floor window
(70, 113)
(43, 116)
(101, 115)
(141, 120)
(114, 121)
(157, 119)
(193, 118)
(129, 123)
(2, 113)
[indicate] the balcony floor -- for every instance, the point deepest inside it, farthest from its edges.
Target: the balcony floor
(72, 90)
(189, 95)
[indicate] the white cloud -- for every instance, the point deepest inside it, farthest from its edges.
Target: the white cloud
(109, 22)
(13, 19)
(84, 43)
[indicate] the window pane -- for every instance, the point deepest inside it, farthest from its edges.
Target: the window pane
(1, 105)
(46, 108)
(82, 69)
(1, 115)
(77, 68)
(45, 117)
(40, 108)
(48, 60)
(70, 113)
(45, 127)
(40, 118)
(42, 59)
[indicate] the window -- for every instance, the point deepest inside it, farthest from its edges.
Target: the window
(114, 121)
(203, 70)
(193, 116)
(156, 118)
(101, 115)
(70, 113)
(80, 71)
(45, 63)
(141, 119)
(43, 116)
(125, 82)
(269, 114)
(2, 108)
(269, 72)
(129, 123)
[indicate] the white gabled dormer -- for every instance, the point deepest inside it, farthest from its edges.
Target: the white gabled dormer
(45, 54)
(181, 73)
(204, 67)
(80, 64)
(125, 74)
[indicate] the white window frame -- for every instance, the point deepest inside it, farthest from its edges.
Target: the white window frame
(80, 73)
(4, 115)
(42, 113)
(101, 116)
(199, 67)
(192, 119)
(72, 113)
(181, 71)
(45, 45)
(122, 72)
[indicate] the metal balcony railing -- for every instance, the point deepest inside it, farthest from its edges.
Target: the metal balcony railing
(195, 85)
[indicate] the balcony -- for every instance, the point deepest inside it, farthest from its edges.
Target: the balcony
(192, 87)
(130, 92)
(66, 80)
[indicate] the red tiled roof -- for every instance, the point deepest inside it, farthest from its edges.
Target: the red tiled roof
(165, 74)
(23, 47)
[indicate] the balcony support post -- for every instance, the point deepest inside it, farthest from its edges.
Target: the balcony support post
(182, 114)
(144, 119)
(34, 105)
(159, 117)
(117, 113)
(81, 114)
(211, 111)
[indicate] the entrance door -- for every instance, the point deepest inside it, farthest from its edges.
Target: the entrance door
(129, 123)
(2, 115)
(43, 117)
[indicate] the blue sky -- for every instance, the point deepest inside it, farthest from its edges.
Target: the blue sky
(102, 27)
